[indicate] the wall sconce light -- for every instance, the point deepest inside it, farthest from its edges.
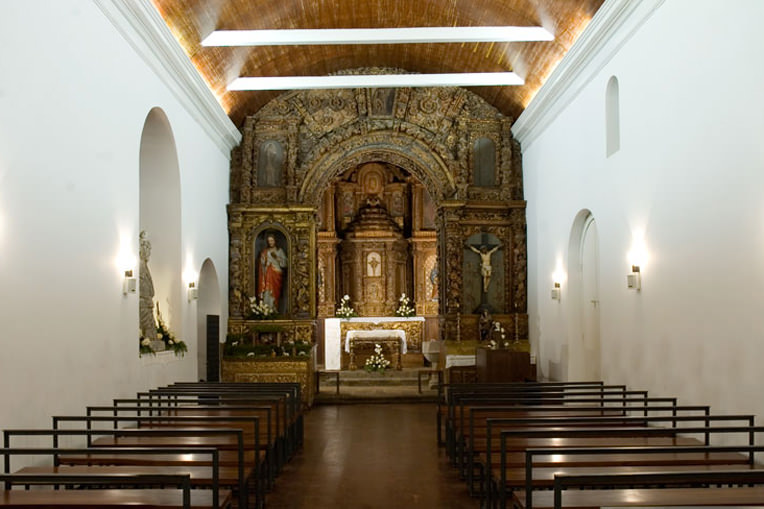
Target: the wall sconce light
(128, 284)
(556, 291)
(634, 280)
(193, 291)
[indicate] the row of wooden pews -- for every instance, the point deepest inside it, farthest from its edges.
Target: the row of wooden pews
(189, 445)
(539, 445)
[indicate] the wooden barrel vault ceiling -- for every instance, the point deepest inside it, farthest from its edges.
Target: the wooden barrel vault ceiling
(192, 20)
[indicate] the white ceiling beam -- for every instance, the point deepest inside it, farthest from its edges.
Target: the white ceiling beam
(480, 79)
(413, 35)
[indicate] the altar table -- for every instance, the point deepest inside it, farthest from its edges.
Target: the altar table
(336, 329)
(394, 341)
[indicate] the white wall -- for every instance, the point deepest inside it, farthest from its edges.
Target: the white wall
(690, 175)
(73, 99)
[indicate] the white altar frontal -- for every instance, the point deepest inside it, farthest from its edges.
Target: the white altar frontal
(392, 331)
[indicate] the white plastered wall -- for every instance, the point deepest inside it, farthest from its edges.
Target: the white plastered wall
(73, 99)
(690, 175)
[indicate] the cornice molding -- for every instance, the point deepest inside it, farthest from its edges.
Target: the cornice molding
(614, 24)
(143, 28)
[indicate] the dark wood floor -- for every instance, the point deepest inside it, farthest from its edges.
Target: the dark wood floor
(370, 456)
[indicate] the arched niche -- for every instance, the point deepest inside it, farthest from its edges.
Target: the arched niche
(208, 312)
(160, 212)
(484, 162)
(269, 262)
(613, 116)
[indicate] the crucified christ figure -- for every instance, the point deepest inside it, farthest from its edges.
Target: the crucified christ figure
(485, 263)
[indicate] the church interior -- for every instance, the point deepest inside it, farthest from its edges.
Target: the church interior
(160, 225)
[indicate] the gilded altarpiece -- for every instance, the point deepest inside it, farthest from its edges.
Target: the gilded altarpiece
(440, 163)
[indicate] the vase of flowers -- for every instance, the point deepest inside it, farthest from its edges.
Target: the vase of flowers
(260, 309)
(345, 310)
(405, 307)
(376, 361)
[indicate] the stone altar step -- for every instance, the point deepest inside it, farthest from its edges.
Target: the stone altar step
(360, 386)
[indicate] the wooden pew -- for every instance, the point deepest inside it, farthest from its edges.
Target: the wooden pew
(273, 426)
(447, 392)
(519, 440)
(159, 439)
(126, 495)
(455, 393)
(739, 456)
(249, 425)
(460, 404)
(563, 405)
(210, 478)
(225, 393)
(545, 417)
(691, 488)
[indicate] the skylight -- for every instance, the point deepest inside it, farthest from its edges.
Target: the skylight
(476, 79)
(413, 35)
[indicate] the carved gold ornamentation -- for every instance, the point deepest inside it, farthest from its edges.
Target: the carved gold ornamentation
(427, 133)
(272, 370)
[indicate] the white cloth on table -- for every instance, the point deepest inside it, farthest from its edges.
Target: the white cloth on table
(459, 360)
(378, 333)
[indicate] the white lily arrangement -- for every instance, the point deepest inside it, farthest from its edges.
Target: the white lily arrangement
(405, 308)
(345, 310)
(261, 309)
(377, 361)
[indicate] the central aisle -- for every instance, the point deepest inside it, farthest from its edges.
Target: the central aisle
(370, 456)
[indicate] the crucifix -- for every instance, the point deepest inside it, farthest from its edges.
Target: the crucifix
(484, 249)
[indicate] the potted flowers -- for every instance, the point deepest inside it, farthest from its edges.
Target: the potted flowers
(345, 310)
(376, 361)
(405, 308)
(260, 309)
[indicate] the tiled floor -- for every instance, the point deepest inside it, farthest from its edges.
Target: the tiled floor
(370, 456)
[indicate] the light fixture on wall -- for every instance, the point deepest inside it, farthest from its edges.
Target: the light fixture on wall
(634, 280)
(556, 291)
(193, 291)
(128, 284)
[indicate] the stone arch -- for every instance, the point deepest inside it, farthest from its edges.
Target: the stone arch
(401, 149)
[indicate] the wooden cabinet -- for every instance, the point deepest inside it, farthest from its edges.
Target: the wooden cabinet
(503, 365)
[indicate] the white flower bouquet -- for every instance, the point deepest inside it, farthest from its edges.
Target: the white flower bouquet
(377, 361)
(261, 310)
(345, 310)
(405, 307)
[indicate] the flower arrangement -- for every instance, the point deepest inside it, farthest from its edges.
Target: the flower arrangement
(261, 310)
(144, 346)
(404, 307)
(499, 330)
(345, 310)
(165, 335)
(377, 361)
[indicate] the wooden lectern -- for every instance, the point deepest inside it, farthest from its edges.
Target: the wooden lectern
(502, 365)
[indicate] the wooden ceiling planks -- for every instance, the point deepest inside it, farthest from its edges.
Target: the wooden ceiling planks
(192, 20)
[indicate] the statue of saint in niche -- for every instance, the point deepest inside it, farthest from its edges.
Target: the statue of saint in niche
(146, 288)
(272, 263)
(270, 164)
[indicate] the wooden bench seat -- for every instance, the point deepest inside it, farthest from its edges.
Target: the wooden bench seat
(111, 499)
(123, 490)
(635, 497)
(658, 488)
